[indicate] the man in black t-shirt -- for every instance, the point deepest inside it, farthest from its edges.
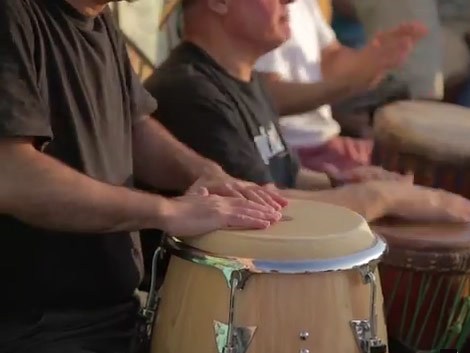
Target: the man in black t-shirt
(211, 99)
(74, 134)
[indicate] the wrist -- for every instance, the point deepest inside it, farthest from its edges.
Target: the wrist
(163, 214)
(206, 169)
(384, 197)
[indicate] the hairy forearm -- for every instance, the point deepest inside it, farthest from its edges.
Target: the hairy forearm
(292, 98)
(368, 204)
(164, 163)
(43, 192)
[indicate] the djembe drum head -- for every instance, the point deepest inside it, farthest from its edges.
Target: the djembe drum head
(430, 139)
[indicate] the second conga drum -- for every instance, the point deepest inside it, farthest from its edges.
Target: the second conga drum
(430, 139)
(307, 284)
(425, 280)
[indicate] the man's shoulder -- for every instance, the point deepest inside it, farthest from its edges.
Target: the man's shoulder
(187, 81)
(15, 11)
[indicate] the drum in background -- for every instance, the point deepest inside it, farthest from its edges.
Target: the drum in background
(425, 281)
(430, 139)
(306, 284)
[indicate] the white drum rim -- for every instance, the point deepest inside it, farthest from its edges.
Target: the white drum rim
(369, 256)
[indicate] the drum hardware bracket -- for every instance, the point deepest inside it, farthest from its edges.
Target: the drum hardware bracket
(365, 331)
(241, 338)
(150, 309)
(230, 338)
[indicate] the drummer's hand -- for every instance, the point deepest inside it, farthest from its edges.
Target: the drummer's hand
(200, 213)
(419, 203)
(385, 52)
(223, 184)
(363, 174)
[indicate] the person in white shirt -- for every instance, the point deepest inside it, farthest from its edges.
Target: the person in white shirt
(313, 54)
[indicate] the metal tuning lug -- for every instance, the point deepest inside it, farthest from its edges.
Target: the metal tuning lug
(364, 338)
(365, 331)
(230, 338)
(241, 338)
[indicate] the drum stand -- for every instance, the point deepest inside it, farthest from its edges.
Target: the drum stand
(365, 331)
(233, 339)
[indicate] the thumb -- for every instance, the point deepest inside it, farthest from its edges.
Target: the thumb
(199, 191)
(331, 170)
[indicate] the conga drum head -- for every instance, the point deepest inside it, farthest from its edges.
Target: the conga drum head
(309, 230)
(308, 283)
(430, 139)
(425, 282)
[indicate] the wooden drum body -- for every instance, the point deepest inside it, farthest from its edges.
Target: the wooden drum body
(309, 284)
(426, 285)
(430, 139)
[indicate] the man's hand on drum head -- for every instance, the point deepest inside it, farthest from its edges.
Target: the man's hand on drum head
(364, 174)
(199, 213)
(420, 203)
(224, 185)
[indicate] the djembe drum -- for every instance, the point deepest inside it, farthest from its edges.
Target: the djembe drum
(429, 139)
(425, 283)
(307, 284)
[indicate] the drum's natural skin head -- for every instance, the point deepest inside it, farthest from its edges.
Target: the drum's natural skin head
(310, 230)
(433, 237)
(436, 130)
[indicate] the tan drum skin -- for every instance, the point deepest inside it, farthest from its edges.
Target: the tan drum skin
(429, 139)
(281, 306)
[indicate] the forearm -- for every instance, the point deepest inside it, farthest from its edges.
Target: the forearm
(309, 180)
(43, 192)
(163, 162)
(292, 98)
(368, 204)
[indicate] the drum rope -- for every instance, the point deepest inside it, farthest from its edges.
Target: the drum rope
(445, 341)
(394, 293)
(423, 289)
(466, 327)
(407, 301)
(428, 314)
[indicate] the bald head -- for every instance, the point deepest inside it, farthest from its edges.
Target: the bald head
(261, 24)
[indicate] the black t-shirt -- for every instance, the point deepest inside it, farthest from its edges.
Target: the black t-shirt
(225, 119)
(66, 81)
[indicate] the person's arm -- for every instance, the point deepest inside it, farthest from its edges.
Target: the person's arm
(291, 98)
(163, 162)
(309, 180)
(41, 191)
(363, 199)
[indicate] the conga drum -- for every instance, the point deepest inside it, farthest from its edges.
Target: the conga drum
(425, 278)
(307, 284)
(430, 139)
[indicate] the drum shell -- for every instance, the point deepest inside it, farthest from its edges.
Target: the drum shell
(281, 306)
(403, 306)
(440, 174)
